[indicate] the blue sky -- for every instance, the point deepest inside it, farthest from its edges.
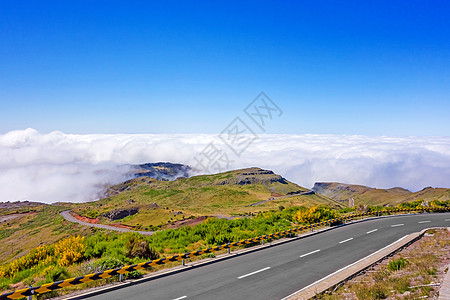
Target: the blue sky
(353, 67)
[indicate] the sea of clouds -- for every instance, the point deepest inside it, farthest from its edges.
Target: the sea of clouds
(58, 167)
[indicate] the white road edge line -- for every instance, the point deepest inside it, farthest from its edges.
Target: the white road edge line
(328, 276)
(396, 225)
(421, 222)
(182, 297)
(310, 253)
(344, 241)
(249, 274)
(371, 231)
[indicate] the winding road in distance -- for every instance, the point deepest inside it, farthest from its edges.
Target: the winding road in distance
(66, 215)
(278, 271)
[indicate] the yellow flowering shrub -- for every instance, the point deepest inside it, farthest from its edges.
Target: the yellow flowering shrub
(66, 251)
(34, 257)
(315, 214)
(70, 250)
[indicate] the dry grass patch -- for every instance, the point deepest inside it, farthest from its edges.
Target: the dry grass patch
(414, 273)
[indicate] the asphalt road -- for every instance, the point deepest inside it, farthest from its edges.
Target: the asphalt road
(66, 215)
(276, 272)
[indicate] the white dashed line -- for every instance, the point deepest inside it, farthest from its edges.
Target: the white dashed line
(332, 274)
(447, 220)
(341, 242)
(371, 231)
(421, 222)
(182, 297)
(252, 273)
(310, 253)
(396, 225)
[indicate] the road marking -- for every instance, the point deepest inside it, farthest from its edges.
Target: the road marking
(371, 231)
(182, 297)
(447, 219)
(310, 253)
(341, 242)
(252, 273)
(396, 225)
(332, 274)
(421, 222)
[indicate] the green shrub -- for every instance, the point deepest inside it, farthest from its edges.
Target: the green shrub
(209, 255)
(107, 263)
(20, 276)
(139, 247)
(133, 275)
(56, 273)
(346, 210)
(92, 214)
(4, 283)
(395, 265)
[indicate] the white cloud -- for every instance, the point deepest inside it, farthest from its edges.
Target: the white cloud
(65, 167)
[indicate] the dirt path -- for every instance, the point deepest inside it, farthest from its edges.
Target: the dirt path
(66, 215)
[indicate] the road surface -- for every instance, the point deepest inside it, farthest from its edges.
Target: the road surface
(276, 272)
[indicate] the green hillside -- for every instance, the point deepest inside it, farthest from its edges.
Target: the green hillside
(224, 194)
(364, 195)
(27, 225)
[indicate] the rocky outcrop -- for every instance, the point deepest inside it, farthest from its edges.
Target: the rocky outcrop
(152, 206)
(253, 176)
(118, 214)
(339, 191)
(162, 171)
(19, 204)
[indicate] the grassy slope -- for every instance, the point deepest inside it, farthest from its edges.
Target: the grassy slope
(199, 195)
(195, 196)
(43, 225)
(218, 194)
(370, 196)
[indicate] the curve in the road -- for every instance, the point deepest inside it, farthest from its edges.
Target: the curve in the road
(66, 215)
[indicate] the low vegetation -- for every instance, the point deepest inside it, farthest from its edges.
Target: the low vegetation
(76, 255)
(33, 228)
(414, 273)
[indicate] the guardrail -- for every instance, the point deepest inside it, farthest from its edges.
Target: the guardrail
(48, 287)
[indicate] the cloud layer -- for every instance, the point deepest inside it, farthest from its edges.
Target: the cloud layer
(65, 167)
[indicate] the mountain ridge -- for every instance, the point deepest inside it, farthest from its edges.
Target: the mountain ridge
(364, 195)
